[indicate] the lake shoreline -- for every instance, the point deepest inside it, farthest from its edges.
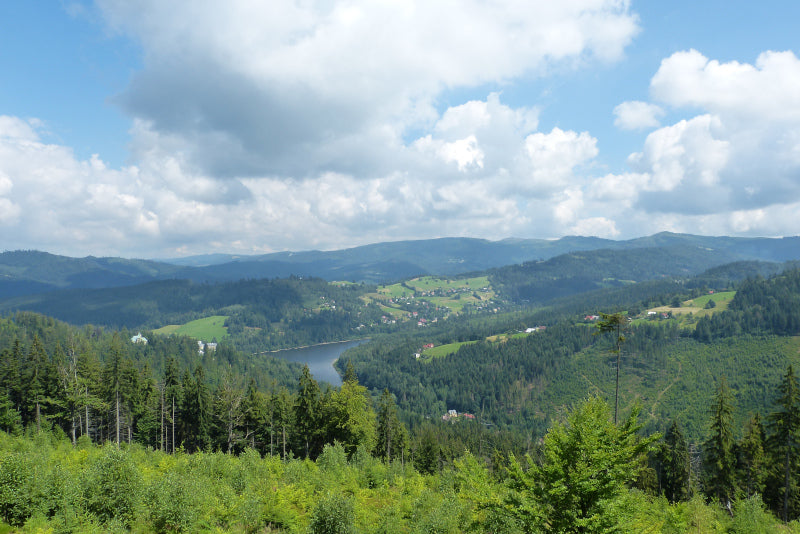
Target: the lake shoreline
(320, 358)
(364, 340)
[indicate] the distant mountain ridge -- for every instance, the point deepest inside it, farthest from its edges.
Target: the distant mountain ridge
(31, 272)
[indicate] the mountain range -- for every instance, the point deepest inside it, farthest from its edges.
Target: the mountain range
(32, 272)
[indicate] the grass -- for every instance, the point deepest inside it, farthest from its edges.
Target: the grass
(204, 329)
(445, 350)
(697, 306)
(722, 299)
(455, 293)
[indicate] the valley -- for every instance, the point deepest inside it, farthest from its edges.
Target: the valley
(516, 348)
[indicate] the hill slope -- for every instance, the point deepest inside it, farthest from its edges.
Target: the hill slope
(30, 272)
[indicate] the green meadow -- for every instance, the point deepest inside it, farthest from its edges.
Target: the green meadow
(455, 293)
(204, 329)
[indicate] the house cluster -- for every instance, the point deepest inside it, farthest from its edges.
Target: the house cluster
(418, 355)
(139, 338)
(452, 415)
(591, 318)
(202, 347)
(331, 304)
(655, 315)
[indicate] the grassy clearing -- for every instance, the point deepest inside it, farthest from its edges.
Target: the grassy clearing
(204, 329)
(167, 330)
(449, 293)
(394, 312)
(722, 299)
(697, 306)
(445, 350)
(452, 348)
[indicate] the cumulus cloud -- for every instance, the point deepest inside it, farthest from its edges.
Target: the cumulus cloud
(730, 169)
(765, 91)
(553, 156)
(286, 125)
(636, 115)
(298, 89)
(449, 187)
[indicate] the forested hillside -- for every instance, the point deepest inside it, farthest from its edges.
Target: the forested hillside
(667, 363)
(580, 272)
(710, 413)
(262, 314)
(31, 272)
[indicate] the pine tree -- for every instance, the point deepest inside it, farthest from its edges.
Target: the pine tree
(350, 418)
(282, 419)
(196, 411)
(615, 323)
(255, 406)
(587, 463)
(751, 458)
(785, 442)
(40, 379)
(719, 458)
(10, 374)
(673, 458)
(172, 401)
(307, 412)
(391, 433)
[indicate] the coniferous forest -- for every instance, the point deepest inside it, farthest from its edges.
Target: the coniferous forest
(506, 432)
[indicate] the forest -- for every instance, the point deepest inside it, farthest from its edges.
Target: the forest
(98, 408)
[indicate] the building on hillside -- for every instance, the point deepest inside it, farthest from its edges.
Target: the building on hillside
(139, 338)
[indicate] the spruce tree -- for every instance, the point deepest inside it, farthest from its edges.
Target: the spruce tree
(785, 443)
(587, 463)
(719, 459)
(673, 458)
(392, 435)
(751, 458)
(614, 323)
(307, 411)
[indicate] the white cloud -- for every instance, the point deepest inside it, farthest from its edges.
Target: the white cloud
(568, 207)
(766, 91)
(595, 226)
(287, 125)
(636, 115)
(687, 153)
(299, 89)
(554, 156)
(732, 167)
(294, 125)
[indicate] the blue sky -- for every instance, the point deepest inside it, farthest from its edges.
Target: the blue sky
(159, 129)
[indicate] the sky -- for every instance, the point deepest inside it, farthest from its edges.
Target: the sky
(155, 129)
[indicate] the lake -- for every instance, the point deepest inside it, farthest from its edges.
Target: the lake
(320, 359)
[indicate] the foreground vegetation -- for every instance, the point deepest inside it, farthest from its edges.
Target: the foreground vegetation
(589, 476)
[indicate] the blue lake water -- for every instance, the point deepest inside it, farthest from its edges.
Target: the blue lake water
(320, 359)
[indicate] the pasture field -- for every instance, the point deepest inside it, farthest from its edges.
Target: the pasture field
(695, 307)
(204, 329)
(444, 350)
(452, 348)
(722, 299)
(452, 293)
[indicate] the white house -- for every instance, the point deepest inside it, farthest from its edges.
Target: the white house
(139, 338)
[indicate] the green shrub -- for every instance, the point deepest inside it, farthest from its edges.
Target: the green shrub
(113, 487)
(16, 472)
(750, 517)
(333, 514)
(174, 503)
